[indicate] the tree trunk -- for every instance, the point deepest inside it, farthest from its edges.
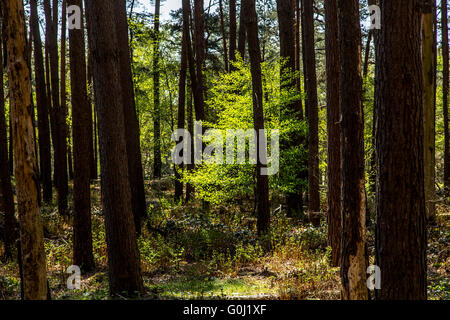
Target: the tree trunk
(313, 113)
(429, 106)
(401, 239)
(123, 254)
(132, 135)
(156, 106)
(242, 31)
(353, 217)
(31, 228)
(82, 235)
(333, 131)
(6, 191)
(199, 33)
(445, 73)
(262, 181)
(42, 107)
(232, 4)
(57, 112)
(181, 115)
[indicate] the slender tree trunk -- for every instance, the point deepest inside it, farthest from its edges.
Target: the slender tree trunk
(224, 37)
(82, 235)
(333, 131)
(353, 245)
(42, 107)
(31, 228)
(242, 31)
(156, 105)
(58, 113)
(445, 80)
(401, 239)
(6, 192)
(313, 113)
(262, 181)
(429, 107)
(199, 33)
(190, 123)
(132, 134)
(181, 115)
(123, 254)
(232, 11)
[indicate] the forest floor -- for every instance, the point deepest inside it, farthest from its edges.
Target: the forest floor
(211, 252)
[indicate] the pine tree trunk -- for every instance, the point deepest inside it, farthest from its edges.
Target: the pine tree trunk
(313, 113)
(31, 228)
(6, 191)
(262, 181)
(156, 103)
(353, 217)
(401, 239)
(123, 254)
(242, 31)
(132, 134)
(333, 131)
(445, 75)
(82, 235)
(429, 106)
(232, 11)
(42, 107)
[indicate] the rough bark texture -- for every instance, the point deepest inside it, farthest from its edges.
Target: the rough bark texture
(333, 131)
(123, 254)
(157, 164)
(82, 235)
(353, 246)
(262, 181)
(313, 113)
(6, 192)
(31, 229)
(42, 107)
(199, 34)
(132, 135)
(428, 65)
(401, 226)
(224, 37)
(242, 31)
(445, 80)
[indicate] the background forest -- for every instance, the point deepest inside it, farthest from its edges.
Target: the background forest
(101, 190)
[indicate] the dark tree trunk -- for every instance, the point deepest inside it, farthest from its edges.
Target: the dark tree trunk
(262, 181)
(313, 113)
(401, 239)
(181, 115)
(286, 15)
(445, 74)
(57, 112)
(132, 135)
(42, 107)
(31, 229)
(82, 235)
(190, 123)
(232, 12)
(199, 34)
(224, 37)
(242, 31)
(353, 219)
(156, 105)
(333, 131)
(6, 192)
(123, 254)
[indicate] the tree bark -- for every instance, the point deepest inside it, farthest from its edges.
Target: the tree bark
(156, 103)
(401, 239)
(132, 135)
(353, 216)
(262, 181)
(224, 37)
(31, 228)
(232, 10)
(313, 113)
(42, 107)
(333, 131)
(445, 80)
(429, 106)
(123, 254)
(82, 235)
